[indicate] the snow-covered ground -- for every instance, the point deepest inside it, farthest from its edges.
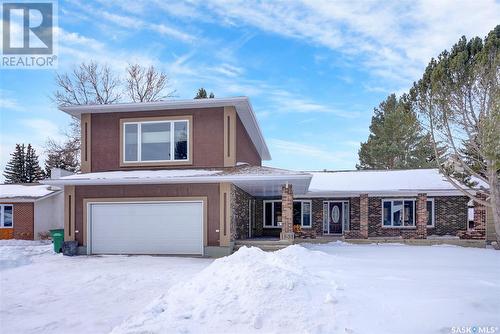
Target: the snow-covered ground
(44, 292)
(333, 288)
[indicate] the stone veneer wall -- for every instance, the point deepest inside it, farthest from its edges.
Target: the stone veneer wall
(240, 201)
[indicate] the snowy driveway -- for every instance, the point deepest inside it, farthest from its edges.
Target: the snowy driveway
(334, 288)
(58, 294)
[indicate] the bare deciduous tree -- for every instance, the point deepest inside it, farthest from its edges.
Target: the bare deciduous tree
(459, 96)
(66, 154)
(87, 84)
(93, 83)
(146, 84)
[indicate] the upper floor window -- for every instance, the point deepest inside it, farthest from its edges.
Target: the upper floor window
(156, 141)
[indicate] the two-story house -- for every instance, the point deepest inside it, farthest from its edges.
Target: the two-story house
(186, 177)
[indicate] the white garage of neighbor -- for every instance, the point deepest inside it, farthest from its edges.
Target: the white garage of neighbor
(166, 227)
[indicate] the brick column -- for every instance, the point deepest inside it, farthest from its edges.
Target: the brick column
(422, 216)
(363, 216)
(480, 215)
(287, 212)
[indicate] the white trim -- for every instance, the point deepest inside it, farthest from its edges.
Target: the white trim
(392, 200)
(433, 213)
(174, 180)
(139, 140)
(302, 213)
(401, 192)
(272, 214)
(89, 218)
(279, 201)
(2, 215)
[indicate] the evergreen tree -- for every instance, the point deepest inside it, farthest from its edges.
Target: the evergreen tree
(15, 169)
(33, 172)
(396, 139)
(202, 94)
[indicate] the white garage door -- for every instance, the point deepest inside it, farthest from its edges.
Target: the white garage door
(146, 228)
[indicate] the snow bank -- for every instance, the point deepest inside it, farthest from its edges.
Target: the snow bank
(248, 291)
(15, 253)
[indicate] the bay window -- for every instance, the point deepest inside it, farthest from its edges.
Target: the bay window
(156, 141)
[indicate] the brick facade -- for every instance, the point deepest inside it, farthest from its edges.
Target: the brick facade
(23, 217)
(450, 217)
(478, 230)
(421, 216)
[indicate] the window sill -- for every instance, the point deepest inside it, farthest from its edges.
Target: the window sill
(400, 227)
(7, 227)
(156, 163)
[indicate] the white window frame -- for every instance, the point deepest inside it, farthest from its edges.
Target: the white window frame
(279, 201)
(302, 212)
(433, 213)
(2, 216)
(392, 200)
(172, 140)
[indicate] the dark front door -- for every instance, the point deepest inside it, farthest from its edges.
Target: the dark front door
(336, 217)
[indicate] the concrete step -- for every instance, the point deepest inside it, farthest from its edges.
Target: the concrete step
(263, 242)
(265, 247)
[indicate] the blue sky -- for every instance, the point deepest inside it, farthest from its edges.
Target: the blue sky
(314, 70)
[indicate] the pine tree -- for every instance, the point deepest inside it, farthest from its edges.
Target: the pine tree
(396, 139)
(202, 94)
(32, 169)
(15, 169)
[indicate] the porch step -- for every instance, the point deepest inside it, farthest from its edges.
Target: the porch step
(265, 245)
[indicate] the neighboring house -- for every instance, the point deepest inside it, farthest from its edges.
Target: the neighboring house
(186, 177)
(29, 211)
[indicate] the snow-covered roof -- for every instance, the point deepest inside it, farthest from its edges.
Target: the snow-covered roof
(267, 181)
(381, 182)
(256, 180)
(242, 105)
(26, 191)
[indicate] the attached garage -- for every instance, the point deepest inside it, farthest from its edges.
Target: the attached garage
(149, 227)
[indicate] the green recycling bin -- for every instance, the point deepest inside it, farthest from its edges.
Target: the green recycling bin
(58, 239)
